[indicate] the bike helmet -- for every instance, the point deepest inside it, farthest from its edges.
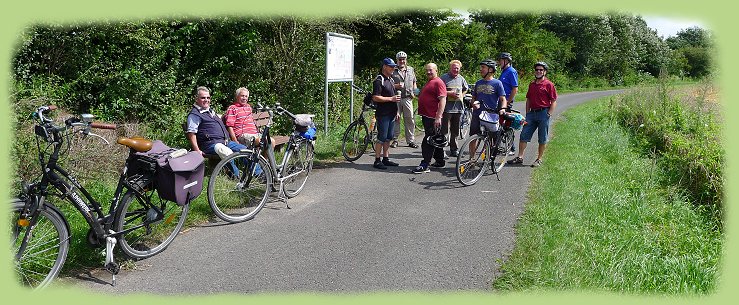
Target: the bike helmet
(542, 64)
(438, 140)
(490, 63)
(505, 55)
(515, 120)
(401, 54)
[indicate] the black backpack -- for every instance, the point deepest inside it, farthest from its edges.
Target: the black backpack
(368, 101)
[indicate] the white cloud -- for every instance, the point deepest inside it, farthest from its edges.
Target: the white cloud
(667, 27)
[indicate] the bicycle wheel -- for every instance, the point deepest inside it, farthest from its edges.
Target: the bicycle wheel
(464, 123)
(470, 165)
(47, 244)
(504, 146)
(298, 164)
(148, 223)
(354, 143)
(239, 196)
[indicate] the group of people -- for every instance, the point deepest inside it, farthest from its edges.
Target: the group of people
(441, 103)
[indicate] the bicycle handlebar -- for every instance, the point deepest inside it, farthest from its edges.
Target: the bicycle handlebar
(99, 125)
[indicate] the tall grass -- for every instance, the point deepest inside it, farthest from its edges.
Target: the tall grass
(599, 218)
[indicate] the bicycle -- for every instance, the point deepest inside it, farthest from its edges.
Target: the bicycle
(140, 222)
(491, 149)
(236, 193)
(466, 117)
(357, 136)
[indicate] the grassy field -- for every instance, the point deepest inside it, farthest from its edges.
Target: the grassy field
(599, 218)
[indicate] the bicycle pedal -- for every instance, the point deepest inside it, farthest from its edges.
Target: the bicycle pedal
(113, 268)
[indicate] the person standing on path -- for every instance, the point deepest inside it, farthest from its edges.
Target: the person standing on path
(509, 78)
(384, 94)
(405, 80)
(456, 87)
(431, 103)
(541, 100)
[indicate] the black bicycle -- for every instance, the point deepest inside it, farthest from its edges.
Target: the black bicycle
(489, 149)
(137, 220)
(241, 183)
(358, 135)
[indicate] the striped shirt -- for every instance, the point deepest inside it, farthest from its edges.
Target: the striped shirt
(240, 118)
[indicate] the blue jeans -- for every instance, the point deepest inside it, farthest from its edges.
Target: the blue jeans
(235, 146)
(536, 121)
(385, 128)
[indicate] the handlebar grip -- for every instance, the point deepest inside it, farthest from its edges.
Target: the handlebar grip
(103, 126)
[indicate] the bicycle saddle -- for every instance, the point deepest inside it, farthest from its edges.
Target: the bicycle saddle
(138, 144)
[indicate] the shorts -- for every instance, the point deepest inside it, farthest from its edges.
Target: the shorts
(535, 121)
(385, 128)
(248, 138)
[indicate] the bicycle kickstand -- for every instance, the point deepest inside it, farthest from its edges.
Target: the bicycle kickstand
(281, 195)
(110, 264)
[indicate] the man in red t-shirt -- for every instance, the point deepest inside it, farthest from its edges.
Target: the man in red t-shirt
(431, 103)
(541, 99)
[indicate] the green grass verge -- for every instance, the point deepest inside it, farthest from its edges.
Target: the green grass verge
(598, 219)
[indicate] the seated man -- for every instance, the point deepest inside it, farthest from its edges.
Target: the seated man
(239, 120)
(205, 130)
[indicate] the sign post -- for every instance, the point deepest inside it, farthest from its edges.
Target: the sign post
(339, 67)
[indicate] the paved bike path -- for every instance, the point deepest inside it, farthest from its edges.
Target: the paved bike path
(353, 229)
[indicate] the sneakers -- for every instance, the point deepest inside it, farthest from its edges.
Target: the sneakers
(453, 153)
(423, 168)
(394, 144)
(438, 164)
(516, 160)
(378, 165)
(511, 153)
(387, 162)
(536, 163)
(412, 145)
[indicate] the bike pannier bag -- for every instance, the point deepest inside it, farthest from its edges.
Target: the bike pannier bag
(180, 179)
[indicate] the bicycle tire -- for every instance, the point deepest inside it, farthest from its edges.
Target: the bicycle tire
(470, 166)
(46, 249)
(355, 140)
(238, 198)
(147, 231)
(502, 148)
(464, 123)
(298, 164)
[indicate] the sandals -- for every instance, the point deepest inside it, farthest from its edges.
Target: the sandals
(516, 160)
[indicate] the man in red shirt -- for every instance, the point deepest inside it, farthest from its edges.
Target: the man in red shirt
(431, 103)
(541, 99)
(240, 120)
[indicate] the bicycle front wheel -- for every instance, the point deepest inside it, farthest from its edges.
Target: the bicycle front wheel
(46, 244)
(239, 187)
(298, 164)
(354, 143)
(148, 223)
(505, 144)
(470, 164)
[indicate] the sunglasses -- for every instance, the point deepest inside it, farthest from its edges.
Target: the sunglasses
(538, 69)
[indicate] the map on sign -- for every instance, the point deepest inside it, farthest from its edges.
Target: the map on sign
(339, 58)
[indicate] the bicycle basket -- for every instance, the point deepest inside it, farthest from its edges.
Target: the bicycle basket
(489, 121)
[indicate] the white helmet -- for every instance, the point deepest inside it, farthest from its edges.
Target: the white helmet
(401, 54)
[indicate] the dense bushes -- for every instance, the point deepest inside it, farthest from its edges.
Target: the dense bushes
(681, 127)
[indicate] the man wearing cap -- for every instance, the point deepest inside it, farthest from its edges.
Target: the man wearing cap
(405, 81)
(386, 113)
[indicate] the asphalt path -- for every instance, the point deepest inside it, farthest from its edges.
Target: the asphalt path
(353, 229)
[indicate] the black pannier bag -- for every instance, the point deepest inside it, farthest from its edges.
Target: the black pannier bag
(178, 179)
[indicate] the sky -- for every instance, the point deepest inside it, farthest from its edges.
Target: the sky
(667, 27)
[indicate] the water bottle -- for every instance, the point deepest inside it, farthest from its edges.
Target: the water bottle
(372, 124)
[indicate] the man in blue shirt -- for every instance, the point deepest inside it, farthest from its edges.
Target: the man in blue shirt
(509, 78)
